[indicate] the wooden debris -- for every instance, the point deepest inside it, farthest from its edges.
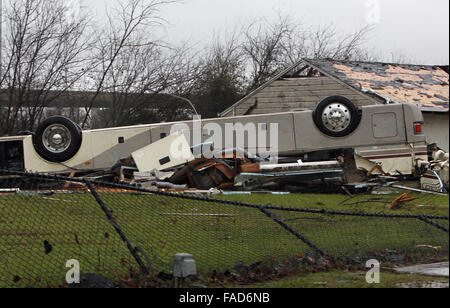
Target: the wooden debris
(398, 202)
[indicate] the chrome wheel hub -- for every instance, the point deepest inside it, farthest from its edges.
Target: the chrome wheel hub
(56, 138)
(336, 117)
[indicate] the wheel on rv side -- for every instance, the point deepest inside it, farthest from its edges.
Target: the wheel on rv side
(337, 116)
(58, 139)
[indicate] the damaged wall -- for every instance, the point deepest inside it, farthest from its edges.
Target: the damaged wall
(437, 129)
(291, 94)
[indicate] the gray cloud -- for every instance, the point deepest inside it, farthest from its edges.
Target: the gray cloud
(418, 29)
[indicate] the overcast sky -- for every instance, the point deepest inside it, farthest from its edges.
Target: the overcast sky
(419, 29)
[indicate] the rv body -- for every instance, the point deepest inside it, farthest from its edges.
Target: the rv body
(386, 135)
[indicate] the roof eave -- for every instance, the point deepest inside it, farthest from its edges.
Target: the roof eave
(262, 87)
(373, 97)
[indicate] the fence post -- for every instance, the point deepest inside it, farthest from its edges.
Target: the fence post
(122, 235)
(291, 230)
(434, 224)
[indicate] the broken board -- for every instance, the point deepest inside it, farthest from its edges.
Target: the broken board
(164, 154)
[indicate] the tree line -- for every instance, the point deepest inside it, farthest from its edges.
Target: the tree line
(47, 53)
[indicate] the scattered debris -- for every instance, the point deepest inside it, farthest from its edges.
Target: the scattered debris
(9, 191)
(398, 202)
(292, 175)
(164, 154)
(430, 247)
(436, 177)
(383, 193)
(170, 165)
(422, 191)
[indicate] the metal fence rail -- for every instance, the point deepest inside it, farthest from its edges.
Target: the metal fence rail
(118, 230)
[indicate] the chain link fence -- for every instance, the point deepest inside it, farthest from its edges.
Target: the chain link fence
(120, 230)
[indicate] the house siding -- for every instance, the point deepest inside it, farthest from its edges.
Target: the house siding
(290, 94)
(437, 129)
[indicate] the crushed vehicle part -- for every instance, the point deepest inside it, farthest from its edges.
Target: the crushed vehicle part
(126, 174)
(164, 154)
(166, 185)
(436, 177)
(154, 175)
(8, 191)
(217, 173)
(123, 162)
(422, 191)
(300, 166)
(290, 174)
(296, 181)
(431, 181)
(390, 160)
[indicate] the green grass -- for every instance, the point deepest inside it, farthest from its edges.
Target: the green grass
(337, 279)
(77, 229)
(434, 204)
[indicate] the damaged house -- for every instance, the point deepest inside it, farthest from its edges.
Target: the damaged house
(303, 85)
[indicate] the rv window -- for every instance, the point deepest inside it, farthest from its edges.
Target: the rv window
(11, 155)
(164, 161)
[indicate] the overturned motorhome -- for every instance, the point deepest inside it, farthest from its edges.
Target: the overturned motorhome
(308, 124)
(331, 132)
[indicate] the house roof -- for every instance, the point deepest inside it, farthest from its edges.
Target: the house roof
(425, 86)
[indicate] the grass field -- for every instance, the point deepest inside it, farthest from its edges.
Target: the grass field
(218, 235)
(424, 205)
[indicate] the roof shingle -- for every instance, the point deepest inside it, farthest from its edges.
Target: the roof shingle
(425, 86)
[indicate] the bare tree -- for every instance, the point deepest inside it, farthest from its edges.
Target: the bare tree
(221, 75)
(328, 42)
(44, 56)
(263, 46)
(137, 80)
(271, 46)
(125, 42)
(399, 56)
(247, 57)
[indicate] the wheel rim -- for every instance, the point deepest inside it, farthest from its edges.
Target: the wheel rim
(56, 138)
(336, 117)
